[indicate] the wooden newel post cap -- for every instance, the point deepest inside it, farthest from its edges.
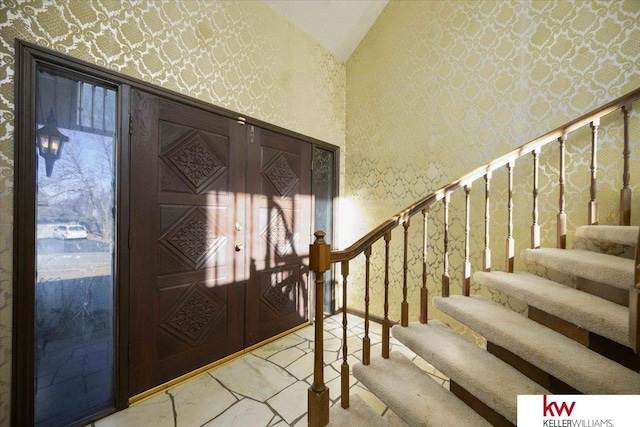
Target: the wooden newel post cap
(319, 253)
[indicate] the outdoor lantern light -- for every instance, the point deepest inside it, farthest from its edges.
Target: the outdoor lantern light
(50, 141)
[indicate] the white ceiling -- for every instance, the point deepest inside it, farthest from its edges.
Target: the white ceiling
(339, 25)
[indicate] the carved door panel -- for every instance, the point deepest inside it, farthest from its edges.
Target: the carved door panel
(279, 214)
(187, 281)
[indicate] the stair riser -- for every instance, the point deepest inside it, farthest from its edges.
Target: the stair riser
(551, 383)
(614, 351)
(602, 290)
(567, 329)
(477, 405)
(604, 346)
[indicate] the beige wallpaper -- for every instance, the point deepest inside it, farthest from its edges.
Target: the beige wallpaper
(438, 88)
(236, 54)
(435, 89)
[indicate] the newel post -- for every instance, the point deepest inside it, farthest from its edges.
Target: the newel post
(318, 396)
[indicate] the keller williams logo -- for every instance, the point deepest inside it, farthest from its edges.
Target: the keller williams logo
(551, 409)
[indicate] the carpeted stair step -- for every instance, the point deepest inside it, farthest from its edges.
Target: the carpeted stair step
(620, 234)
(413, 395)
(587, 311)
(469, 366)
(608, 269)
(358, 414)
(562, 357)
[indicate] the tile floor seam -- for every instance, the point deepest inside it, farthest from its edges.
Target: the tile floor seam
(173, 408)
(297, 420)
(226, 388)
(271, 421)
(276, 412)
(222, 413)
(236, 394)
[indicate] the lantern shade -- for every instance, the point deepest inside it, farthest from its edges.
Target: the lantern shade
(50, 140)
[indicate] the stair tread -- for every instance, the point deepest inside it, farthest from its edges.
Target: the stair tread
(413, 395)
(469, 366)
(609, 269)
(621, 234)
(359, 414)
(587, 311)
(562, 357)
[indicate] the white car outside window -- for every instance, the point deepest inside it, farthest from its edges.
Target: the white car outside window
(71, 232)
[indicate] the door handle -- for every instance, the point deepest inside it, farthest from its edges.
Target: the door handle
(239, 246)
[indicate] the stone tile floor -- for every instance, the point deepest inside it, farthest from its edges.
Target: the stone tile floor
(268, 386)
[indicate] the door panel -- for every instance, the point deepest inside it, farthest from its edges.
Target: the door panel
(279, 188)
(187, 284)
(219, 246)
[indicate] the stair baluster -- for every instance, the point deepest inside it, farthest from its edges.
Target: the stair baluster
(486, 253)
(445, 255)
(535, 227)
(386, 324)
(424, 292)
(404, 307)
(562, 216)
(511, 244)
(625, 193)
(466, 267)
(344, 368)
(366, 341)
(593, 203)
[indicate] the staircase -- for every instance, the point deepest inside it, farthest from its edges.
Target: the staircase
(580, 336)
(548, 361)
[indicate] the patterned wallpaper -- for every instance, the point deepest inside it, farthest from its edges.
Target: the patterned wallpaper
(435, 89)
(438, 88)
(235, 54)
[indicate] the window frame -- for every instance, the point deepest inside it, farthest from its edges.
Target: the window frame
(29, 59)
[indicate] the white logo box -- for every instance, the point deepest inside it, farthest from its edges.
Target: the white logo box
(569, 410)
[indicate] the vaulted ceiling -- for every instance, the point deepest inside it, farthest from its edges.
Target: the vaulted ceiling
(339, 25)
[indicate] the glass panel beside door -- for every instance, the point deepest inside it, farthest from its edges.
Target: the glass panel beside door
(323, 191)
(75, 246)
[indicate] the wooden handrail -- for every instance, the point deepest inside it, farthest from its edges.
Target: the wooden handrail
(398, 219)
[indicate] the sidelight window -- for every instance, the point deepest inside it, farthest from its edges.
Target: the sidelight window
(75, 247)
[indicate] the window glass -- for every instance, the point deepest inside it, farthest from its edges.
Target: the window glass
(75, 243)
(323, 188)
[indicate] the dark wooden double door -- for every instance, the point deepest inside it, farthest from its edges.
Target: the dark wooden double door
(220, 228)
